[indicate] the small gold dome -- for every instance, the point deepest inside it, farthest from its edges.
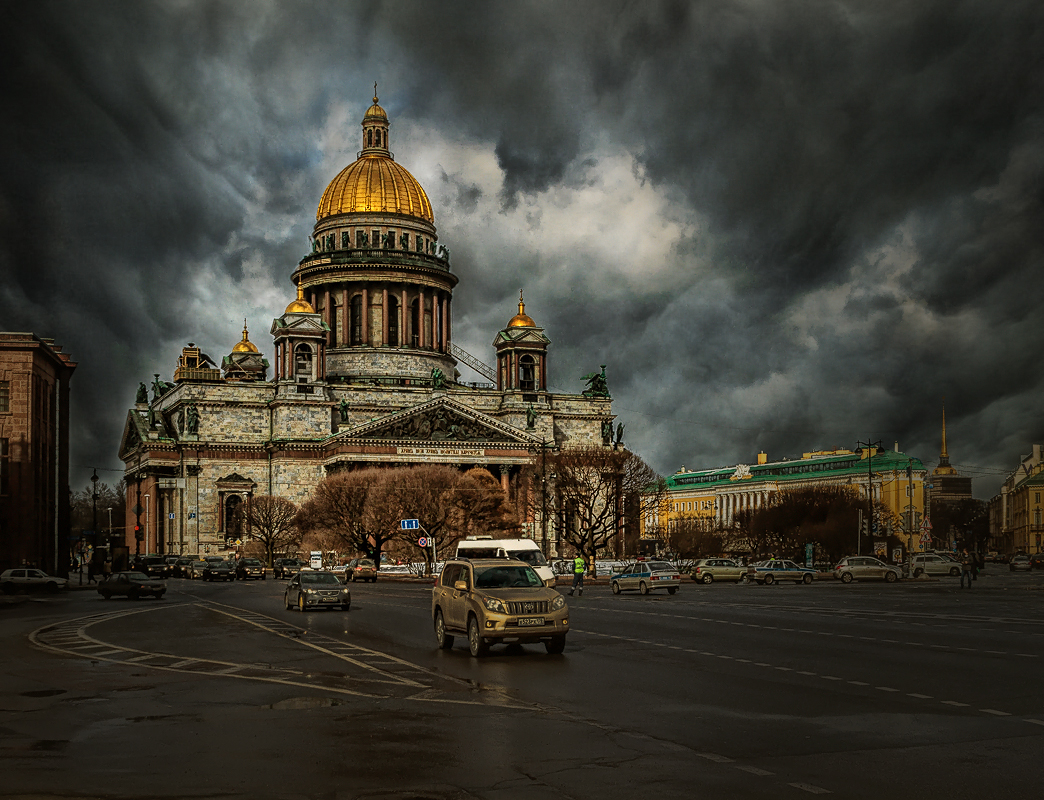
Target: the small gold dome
(245, 346)
(300, 305)
(375, 184)
(521, 319)
(375, 111)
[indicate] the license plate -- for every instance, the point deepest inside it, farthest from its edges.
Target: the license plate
(329, 600)
(526, 622)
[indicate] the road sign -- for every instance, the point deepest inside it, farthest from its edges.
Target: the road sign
(422, 542)
(409, 524)
(926, 525)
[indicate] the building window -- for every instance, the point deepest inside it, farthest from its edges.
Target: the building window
(303, 362)
(389, 243)
(526, 373)
(415, 322)
(356, 322)
(369, 138)
(1036, 496)
(377, 137)
(375, 238)
(393, 321)
(5, 466)
(5, 397)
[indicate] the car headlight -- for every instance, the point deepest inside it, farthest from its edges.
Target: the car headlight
(557, 603)
(495, 604)
(309, 591)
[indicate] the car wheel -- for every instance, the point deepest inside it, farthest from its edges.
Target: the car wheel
(918, 573)
(891, 577)
(768, 579)
(159, 596)
(476, 644)
(846, 577)
(444, 639)
(672, 589)
(264, 576)
(708, 578)
(643, 588)
(301, 604)
(954, 572)
(133, 596)
(373, 579)
(807, 580)
(616, 588)
(9, 588)
(106, 595)
(555, 646)
(286, 601)
(52, 586)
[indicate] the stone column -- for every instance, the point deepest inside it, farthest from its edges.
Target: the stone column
(328, 316)
(384, 317)
(443, 304)
(346, 332)
(404, 334)
(421, 339)
(366, 339)
(505, 479)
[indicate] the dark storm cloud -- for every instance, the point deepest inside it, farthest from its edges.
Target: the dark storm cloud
(855, 192)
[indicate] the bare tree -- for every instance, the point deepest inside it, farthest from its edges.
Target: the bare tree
(272, 521)
(690, 538)
(594, 484)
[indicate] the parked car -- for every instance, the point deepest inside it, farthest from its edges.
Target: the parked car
(316, 589)
(362, 569)
(219, 571)
(196, 569)
(865, 568)
(247, 568)
(780, 569)
(708, 570)
(1020, 562)
(131, 584)
(283, 568)
(497, 601)
(934, 564)
(12, 580)
(646, 576)
(1037, 561)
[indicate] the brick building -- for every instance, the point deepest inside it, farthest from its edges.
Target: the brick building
(34, 452)
(364, 373)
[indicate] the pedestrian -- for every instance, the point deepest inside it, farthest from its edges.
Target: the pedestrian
(966, 568)
(578, 575)
(90, 572)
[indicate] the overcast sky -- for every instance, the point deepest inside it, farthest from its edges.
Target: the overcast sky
(781, 225)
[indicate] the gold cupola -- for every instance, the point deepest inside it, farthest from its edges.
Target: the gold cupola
(375, 183)
(300, 305)
(521, 319)
(245, 346)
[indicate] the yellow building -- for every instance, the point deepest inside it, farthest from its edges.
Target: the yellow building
(718, 495)
(1017, 513)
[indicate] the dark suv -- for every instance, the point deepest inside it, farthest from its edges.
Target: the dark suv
(153, 566)
(285, 568)
(247, 568)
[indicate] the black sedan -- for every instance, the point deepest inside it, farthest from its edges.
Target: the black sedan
(132, 585)
(316, 589)
(219, 571)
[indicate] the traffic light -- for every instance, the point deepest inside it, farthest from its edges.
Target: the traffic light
(139, 534)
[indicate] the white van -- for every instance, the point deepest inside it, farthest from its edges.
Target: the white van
(523, 549)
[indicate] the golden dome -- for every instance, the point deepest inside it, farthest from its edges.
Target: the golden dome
(521, 319)
(375, 111)
(300, 305)
(245, 346)
(375, 184)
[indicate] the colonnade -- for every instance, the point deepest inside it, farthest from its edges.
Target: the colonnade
(336, 308)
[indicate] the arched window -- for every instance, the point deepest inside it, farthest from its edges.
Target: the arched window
(527, 373)
(369, 137)
(393, 321)
(415, 322)
(303, 362)
(356, 320)
(233, 516)
(377, 137)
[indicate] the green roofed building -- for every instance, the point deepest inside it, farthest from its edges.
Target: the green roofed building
(719, 495)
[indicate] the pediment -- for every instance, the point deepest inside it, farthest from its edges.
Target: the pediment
(440, 420)
(235, 481)
(133, 434)
(534, 336)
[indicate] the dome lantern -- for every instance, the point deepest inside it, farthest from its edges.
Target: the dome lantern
(245, 346)
(521, 319)
(375, 129)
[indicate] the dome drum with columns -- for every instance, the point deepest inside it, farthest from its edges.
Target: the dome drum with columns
(364, 372)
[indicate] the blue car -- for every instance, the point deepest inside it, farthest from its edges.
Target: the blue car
(645, 576)
(780, 569)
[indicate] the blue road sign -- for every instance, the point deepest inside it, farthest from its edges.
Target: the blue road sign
(409, 524)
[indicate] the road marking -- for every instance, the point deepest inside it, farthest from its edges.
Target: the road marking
(919, 696)
(1035, 721)
(995, 712)
(858, 683)
(803, 672)
(954, 703)
(830, 678)
(753, 770)
(808, 787)
(715, 758)
(885, 689)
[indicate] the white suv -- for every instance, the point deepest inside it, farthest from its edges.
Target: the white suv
(933, 564)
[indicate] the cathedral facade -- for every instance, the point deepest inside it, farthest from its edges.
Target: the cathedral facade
(364, 373)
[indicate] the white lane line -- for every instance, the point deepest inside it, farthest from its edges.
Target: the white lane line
(141, 658)
(1035, 721)
(830, 677)
(858, 683)
(715, 758)
(804, 672)
(743, 660)
(919, 696)
(885, 689)
(784, 669)
(184, 663)
(995, 712)
(808, 787)
(954, 703)
(753, 770)
(761, 664)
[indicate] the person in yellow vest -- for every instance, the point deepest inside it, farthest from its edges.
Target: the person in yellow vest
(579, 565)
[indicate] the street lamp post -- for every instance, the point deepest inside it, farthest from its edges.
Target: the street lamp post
(94, 506)
(109, 538)
(147, 517)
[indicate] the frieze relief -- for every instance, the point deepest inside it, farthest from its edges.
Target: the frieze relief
(439, 425)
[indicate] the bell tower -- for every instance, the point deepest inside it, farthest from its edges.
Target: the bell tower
(521, 354)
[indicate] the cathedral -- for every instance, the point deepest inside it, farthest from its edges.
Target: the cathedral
(364, 373)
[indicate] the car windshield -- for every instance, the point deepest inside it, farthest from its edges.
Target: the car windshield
(660, 566)
(137, 576)
(319, 577)
(532, 557)
(365, 563)
(251, 562)
(506, 577)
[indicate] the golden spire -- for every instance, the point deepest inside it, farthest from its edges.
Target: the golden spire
(375, 92)
(944, 467)
(943, 454)
(245, 346)
(521, 319)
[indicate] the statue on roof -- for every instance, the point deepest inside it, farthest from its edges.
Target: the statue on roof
(438, 378)
(531, 417)
(343, 409)
(597, 386)
(192, 420)
(143, 394)
(607, 432)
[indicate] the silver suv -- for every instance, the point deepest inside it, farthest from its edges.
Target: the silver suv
(497, 601)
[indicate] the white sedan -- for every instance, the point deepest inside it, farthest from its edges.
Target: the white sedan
(14, 579)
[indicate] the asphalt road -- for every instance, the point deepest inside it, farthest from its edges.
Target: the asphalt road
(918, 689)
